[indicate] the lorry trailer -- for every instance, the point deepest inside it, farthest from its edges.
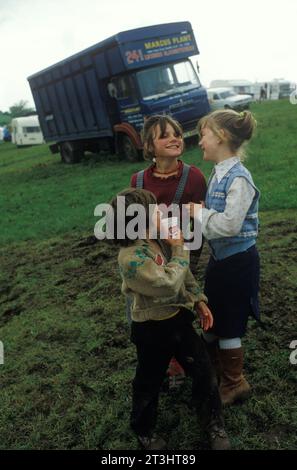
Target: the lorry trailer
(99, 98)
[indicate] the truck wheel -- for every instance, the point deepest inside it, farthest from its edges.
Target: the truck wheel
(70, 152)
(129, 152)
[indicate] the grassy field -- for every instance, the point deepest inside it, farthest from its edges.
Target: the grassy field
(65, 383)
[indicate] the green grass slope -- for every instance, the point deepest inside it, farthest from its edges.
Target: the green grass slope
(65, 383)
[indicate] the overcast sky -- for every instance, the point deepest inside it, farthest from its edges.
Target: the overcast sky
(252, 39)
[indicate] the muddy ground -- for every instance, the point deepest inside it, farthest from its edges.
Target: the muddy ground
(68, 364)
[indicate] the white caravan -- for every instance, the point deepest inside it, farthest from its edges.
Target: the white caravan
(282, 87)
(274, 90)
(240, 87)
(26, 131)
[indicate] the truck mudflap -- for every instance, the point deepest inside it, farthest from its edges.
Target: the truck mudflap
(128, 142)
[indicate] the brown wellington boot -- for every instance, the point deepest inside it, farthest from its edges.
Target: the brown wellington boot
(233, 386)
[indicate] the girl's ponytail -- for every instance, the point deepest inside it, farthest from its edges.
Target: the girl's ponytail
(244, 125)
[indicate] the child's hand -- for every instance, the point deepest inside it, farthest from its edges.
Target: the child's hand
(194, 209)
(176, 239)
(206, 318)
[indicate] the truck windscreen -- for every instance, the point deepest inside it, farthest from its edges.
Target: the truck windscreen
(167, 79)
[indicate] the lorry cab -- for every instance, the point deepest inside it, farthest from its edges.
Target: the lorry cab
(172, 89)
(100, 97)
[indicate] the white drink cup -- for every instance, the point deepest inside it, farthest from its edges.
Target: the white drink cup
(170, 227)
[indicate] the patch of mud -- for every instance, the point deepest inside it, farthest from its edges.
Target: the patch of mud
(11, 313)
(88, 241)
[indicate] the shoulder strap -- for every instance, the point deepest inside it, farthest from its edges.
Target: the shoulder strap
(181, 185)
(211, 176)
(139, 179)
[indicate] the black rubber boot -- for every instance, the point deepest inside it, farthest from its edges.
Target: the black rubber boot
(153, 442)
(217, 435)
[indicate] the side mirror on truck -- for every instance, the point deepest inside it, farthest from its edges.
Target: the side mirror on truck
(112, 90)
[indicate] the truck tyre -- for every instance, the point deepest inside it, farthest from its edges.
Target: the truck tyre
(70, 152)
(129, 151)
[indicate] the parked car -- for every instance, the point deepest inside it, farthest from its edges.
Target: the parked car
(226, 98)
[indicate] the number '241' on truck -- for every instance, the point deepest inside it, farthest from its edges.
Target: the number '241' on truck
(98, 99)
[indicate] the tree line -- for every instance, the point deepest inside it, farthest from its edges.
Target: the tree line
(18, 109)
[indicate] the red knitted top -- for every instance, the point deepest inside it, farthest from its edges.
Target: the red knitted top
(164, 188)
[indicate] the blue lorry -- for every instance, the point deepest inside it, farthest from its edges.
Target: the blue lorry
(98, 99)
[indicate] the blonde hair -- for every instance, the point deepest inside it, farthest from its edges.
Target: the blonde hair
(149, 129)
(238, 128)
